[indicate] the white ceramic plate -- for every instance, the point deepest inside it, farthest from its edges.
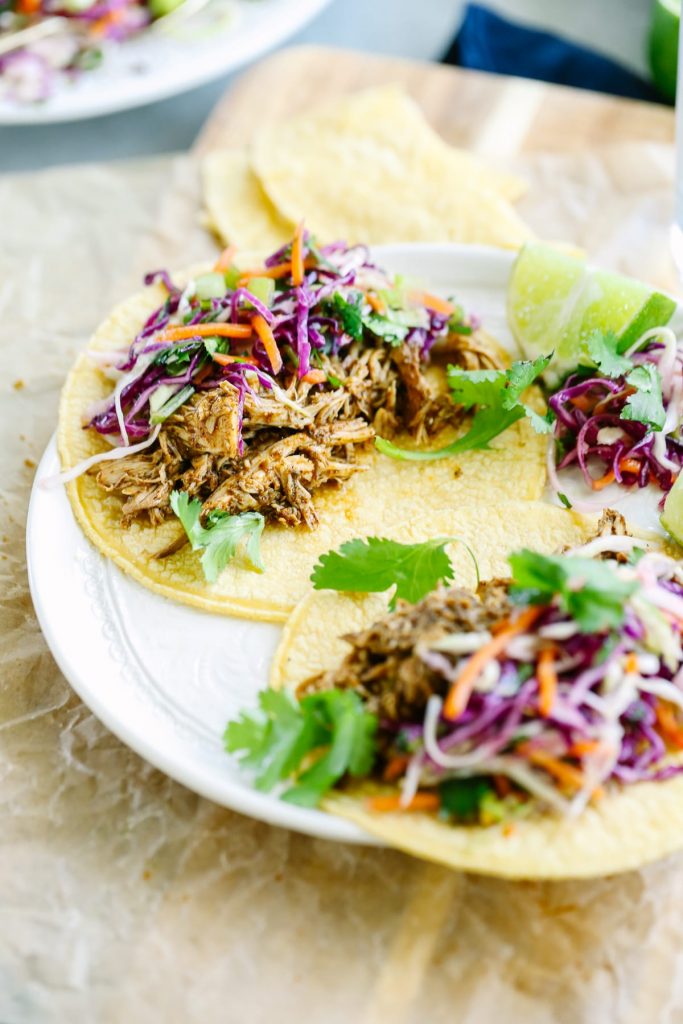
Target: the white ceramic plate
(164, 677)
(156, 64)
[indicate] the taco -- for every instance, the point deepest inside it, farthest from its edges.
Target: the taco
(232, 412)
(529, 729)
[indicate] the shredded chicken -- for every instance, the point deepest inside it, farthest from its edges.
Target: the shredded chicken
(384, 665)
(292, 442)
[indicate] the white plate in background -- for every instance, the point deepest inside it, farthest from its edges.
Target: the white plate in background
(157, 64)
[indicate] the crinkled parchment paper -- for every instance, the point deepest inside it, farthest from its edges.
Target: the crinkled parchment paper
(124, 897)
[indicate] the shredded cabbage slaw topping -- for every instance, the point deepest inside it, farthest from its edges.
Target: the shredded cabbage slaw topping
(622, 427)
(580, 689)
(258, 328)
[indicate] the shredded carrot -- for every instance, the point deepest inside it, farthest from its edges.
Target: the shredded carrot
(547, 680)
(668, 725)
(298, 256)
(460, 691)
(565, 773)
(269, 343)
(225, 360)
(629, 465)
(433, 302)
(395, 767)
(276, 272)
(314, 377)
(100, 26)
(205, 331)
(375, 302)
(28, 6)
(581, 747)
(582, 402)
(631, 663)
(603, 481)
(225, 260)
(604, 402)
(422, 801)
(202, 373)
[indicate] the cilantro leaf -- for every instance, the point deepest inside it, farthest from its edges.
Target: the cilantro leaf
(646, 404)
(277, 739)
(222, 535)
(373, 565)
(588, 589)
(497, 395)
(461, 798)
(388, 328)
(602, 347)
(349, 314)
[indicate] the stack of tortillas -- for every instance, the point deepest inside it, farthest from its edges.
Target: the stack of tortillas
(367, 168)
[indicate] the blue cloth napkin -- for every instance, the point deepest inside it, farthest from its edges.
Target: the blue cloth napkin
(488, 42)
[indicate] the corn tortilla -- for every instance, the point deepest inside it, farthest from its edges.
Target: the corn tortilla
(238, 210)
(629, 827)
(369, 168)
(379, 499)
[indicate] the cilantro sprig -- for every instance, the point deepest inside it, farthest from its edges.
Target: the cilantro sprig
(603, 349)
(222, 535)
(375, 564)
(587, 589)
(645, 404)
(497, 396)
(317, 740)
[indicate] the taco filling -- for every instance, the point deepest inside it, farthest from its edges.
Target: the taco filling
(620, 420)
(535, 695)
(250, 389)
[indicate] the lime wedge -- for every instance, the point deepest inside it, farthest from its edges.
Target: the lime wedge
(672, 516)
(556, 301)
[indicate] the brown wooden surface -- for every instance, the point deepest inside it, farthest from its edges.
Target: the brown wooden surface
(491, 114)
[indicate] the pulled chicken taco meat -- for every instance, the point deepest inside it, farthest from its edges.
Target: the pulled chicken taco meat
(266, 384)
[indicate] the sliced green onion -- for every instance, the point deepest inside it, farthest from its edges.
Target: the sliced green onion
(165, 405)
(210, 286)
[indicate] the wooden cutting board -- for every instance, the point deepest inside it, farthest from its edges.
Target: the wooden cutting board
(490, 114)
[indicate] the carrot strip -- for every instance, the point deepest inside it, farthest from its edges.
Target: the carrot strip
(225, 360)
(565, 773)
(433, 302)
(314, 377)
(298, 256)
(582, 402)
(276, 272)
(269, 343)
(629, 465)
(375, 302)
(631, 663)
(395, 767)
(460, 691)
(422, 801)
(205, 331)
(604, 402)
(582, 747)
(603, 481)
(547, 680)
(225, 260)
(28, 6)
(668, 726)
